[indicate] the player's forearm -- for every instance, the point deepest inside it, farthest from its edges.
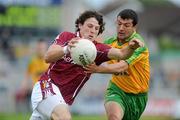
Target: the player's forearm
(125, 53)
(113, 68)
(102, 69)
(120, 54)
(54, 53)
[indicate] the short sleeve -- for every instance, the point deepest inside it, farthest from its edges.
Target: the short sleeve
(137, 55)
(63, 38)
(102, 54)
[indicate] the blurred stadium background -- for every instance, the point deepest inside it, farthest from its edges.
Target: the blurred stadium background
(23, 22)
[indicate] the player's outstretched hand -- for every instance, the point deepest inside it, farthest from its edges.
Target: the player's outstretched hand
(91, 68)
(71, 43)
(135, 43)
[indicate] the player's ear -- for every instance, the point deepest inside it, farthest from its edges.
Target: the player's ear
(79, 25)
(134, 28)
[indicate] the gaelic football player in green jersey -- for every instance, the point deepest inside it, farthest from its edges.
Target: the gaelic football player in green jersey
(126, 95)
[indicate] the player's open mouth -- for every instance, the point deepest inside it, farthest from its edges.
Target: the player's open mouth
(90, 37)
(121, 34)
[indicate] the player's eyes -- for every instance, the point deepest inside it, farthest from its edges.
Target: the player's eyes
(127, 25)
(96, 28)
(124, 25)
(119, 24)
(90, 26)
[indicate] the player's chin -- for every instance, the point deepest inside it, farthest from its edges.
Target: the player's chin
(91, 38)
(121, 37)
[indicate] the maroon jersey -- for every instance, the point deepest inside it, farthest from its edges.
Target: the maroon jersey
(68, 76)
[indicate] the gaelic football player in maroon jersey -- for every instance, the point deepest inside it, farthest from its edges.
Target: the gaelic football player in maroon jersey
(60, 84)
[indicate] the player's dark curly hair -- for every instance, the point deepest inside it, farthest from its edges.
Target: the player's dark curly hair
(129, 14)
(89, 14)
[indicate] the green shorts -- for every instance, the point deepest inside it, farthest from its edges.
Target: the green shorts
(133, 105)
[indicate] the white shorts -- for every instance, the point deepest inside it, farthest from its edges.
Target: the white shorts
(45, 97)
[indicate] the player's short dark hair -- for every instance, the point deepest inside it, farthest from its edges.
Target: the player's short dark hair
(89, 14)
(129, 14)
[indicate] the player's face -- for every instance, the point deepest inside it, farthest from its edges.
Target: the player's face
(124, 28)
(89, 29)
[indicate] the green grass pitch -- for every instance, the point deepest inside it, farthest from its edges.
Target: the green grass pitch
(15, 116)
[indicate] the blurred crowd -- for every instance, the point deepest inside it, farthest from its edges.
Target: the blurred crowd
(21, 61)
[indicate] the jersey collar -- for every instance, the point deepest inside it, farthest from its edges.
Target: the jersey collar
(78, 34)
(128, 39)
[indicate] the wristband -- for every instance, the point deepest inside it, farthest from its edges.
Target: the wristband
(65, 50)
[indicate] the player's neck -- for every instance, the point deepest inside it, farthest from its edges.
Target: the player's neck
(122, 41)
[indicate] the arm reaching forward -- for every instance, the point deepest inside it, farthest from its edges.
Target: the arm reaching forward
(56, 52)
(118, 67)
(125, 52)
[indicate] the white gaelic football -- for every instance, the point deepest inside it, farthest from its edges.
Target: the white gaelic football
(84, 52)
